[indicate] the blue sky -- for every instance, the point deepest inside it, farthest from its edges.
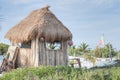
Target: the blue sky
(86, 19)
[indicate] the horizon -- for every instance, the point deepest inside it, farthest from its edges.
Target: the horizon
(87, 20)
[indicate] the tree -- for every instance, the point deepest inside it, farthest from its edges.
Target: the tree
(110, 50)
(118, 55)
(83, 48)
(3, 48)
(97, 52)
(105, 51)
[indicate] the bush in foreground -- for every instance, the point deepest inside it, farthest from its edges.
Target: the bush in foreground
(3, 48)
(61, 73)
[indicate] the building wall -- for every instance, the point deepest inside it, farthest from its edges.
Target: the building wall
(23, 59)
(38, 55)
(52, 57)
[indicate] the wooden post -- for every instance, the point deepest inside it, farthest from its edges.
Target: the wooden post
(40, 58)
(36, 52)
(33, 52)
(42, 54)
(65, 55)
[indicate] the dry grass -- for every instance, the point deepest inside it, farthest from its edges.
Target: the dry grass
(41, 23)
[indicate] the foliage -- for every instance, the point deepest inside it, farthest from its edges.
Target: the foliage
(53, 46)
(90, 58)
(78, 51)
(118, 55)
(105, 52)
(62, 73)
(102, 52)
(97, 52)
(73, 51)
(3, 48)
(83, 48)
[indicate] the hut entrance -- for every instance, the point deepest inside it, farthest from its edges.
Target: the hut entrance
(52, 53)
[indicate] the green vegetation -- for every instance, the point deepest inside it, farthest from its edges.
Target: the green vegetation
(68, 73)
(101, 52)
(83, 48)
(73, 51)
(105, 51)
(62, 73)
(3, 48)
(118, 55)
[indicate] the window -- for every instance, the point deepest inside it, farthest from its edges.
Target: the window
(26, 44)
(53, 46)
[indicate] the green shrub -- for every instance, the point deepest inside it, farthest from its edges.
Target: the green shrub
(61, 73)
(3, 48)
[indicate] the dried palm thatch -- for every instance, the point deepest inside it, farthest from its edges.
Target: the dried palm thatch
(41, 23)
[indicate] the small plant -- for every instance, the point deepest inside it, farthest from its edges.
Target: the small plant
(62, 73)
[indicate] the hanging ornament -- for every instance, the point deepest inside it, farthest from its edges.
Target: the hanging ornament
(70, 42)
(42, 39)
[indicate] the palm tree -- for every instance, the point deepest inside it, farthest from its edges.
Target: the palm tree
(83, 48)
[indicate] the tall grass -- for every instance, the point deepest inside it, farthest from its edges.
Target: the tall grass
(62, 73)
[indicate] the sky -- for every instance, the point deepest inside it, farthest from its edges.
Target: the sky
(86, 19)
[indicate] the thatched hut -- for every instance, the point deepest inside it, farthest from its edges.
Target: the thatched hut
(38, 33)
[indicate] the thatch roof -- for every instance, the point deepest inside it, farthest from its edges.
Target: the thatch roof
(42, 23)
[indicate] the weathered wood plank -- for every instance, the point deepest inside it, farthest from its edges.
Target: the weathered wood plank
(23, 57)
(36, 48)
(40, 54)
(43, 53)
(33, 52)
(47, 59)
(57, 58)
(52, 58)
(65, 51)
